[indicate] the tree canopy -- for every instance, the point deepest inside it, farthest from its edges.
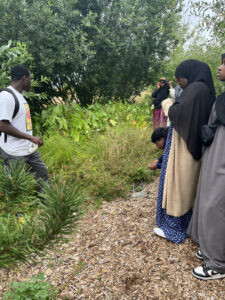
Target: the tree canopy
(92, 49)
(212, 14)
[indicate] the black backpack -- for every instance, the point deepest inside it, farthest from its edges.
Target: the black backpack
(16, 109)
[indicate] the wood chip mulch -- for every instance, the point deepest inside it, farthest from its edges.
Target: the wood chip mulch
(114, 255)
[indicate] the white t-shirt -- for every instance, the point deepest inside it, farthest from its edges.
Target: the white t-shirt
(22, 122)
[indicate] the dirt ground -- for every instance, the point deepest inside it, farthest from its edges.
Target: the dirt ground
(114, 255)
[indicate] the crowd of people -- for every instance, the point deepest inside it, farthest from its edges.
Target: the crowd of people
(191, 193)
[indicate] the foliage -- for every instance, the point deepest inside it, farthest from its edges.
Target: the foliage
(59, 209)
(17, 187)
(103, 148)
(35, 288)
(80, 123)
(27, 225)
(107, 164)
(16, 53)
(212, 14)
(197, 48)
(9, 56)
(93, 50)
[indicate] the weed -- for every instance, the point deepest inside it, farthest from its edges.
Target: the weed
(34, 288)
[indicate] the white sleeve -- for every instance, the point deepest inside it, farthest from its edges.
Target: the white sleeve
(166, 105)
(7, 106)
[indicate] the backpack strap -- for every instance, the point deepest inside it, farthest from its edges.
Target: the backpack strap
(16, 109)
(17, 105)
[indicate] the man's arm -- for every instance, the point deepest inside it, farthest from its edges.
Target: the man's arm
(7, 128)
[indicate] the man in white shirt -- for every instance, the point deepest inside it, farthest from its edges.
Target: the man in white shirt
(17, 141)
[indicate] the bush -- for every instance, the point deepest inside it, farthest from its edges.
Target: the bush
(17, 187)
(81, 123)
(27, 224)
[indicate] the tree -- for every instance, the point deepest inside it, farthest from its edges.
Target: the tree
(200, 49)
(93, 49)
(212, 14)
(11, 55)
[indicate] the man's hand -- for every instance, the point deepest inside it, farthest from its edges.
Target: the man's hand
(153, 165)
(36, 140)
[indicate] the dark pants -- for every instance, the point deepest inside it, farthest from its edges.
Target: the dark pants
(37, 166)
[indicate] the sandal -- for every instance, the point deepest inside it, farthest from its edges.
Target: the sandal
(205, 273)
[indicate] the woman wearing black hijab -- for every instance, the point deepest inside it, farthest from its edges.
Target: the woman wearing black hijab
(161, 93)
(181, 162)
(207, 227)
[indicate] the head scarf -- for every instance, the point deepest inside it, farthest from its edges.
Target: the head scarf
(222, 57)
(192, 109)
(194, 70)
(161, 94)
(220, 104)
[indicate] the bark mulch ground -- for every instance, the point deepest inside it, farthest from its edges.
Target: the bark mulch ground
(115, 255)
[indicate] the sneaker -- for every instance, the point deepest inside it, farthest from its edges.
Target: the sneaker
(205, 273)
(198, 254)
(159, 232)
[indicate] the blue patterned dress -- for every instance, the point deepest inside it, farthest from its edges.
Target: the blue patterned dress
(174, 228)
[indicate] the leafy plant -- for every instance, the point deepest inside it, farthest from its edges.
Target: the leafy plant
(17, 187)
(81, 123)
(35, 288)
(13, 53)
(22, 234)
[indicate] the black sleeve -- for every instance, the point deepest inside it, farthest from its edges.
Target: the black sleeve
(155, 93)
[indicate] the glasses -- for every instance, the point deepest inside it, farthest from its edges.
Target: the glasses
(162, 81)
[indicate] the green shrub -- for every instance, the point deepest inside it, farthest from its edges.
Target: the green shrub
(17, 187)
(81, 123)
(31, 229)
(35, 288)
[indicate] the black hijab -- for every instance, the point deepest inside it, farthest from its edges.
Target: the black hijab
(192, 109)
(220, 104)
(222, 57)
(161, 94)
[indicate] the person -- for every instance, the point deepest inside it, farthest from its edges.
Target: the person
(17, 141)
(159, 138)
(207, 226)
(183, 151)
(161, 93)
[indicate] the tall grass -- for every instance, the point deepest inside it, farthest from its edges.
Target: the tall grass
(105, 165)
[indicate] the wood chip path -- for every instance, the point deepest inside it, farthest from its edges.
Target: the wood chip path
(114, 255)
